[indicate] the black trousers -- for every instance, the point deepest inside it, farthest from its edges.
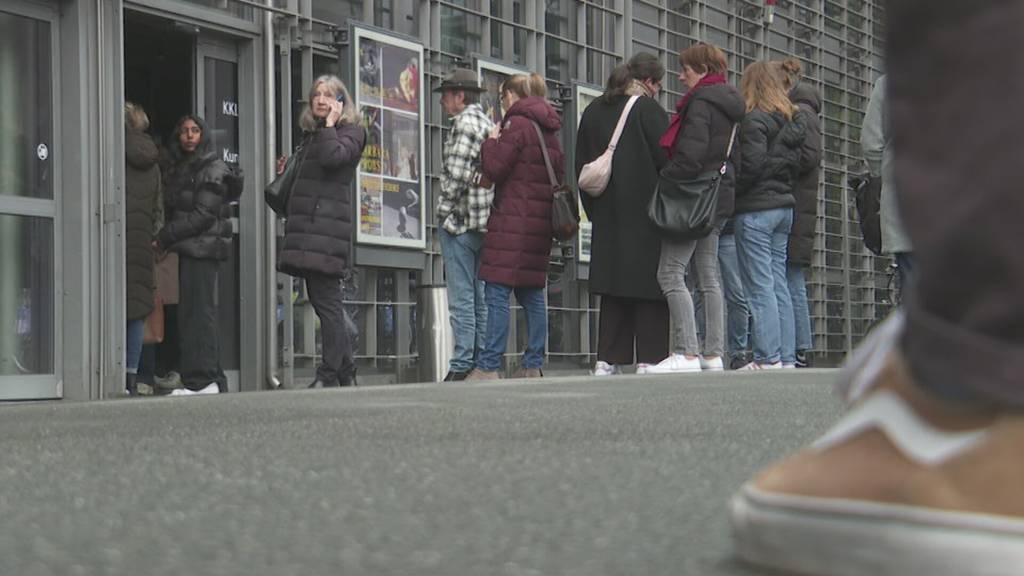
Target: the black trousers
(197, 324)
(628, 324)
(956, 83)
(337, 366)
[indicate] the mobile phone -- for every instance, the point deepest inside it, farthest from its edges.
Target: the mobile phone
(341, 98)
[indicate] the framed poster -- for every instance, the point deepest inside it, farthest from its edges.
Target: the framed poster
(389, 180)
(492, 74)
(584, 95)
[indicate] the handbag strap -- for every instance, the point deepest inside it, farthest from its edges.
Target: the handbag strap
(622, 122)
(728, 151)
(547, 158)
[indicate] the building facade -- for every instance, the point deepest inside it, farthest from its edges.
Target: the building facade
(68, 66)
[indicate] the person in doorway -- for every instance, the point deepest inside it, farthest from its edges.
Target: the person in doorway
(517, 247)
(317, 244)
(924, 474)
(199, 188)
(633, 321)
(463, 208)
(142, 197)
(771, 138)
(876, 145)
(698, 141)
(805, 210)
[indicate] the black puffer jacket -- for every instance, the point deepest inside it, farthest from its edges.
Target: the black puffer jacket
(770, 148)
(805, 212)
(707, 122)
(199, 188)
(318, 233)
(142, 192)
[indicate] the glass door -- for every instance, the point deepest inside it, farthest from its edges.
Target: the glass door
(29, 282)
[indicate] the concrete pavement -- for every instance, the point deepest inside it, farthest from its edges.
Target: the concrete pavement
(561, 476)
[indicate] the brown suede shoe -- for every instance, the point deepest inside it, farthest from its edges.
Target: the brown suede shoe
(905, 484)
(527, 373)
(478, 374)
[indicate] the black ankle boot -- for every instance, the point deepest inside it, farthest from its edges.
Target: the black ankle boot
(131, 384)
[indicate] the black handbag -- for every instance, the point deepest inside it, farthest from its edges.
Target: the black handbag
(565, 215)
(277, 193)
(685, 209)
(867, 190)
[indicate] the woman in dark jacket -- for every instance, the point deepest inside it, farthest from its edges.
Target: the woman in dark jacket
(199, 189)
(698, 140)
(771, 139)
(624, 246)
(517, 246)
(142, 193)
(805, 209)
(318, 233)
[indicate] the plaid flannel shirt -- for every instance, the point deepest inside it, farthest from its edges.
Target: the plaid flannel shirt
(462, 206)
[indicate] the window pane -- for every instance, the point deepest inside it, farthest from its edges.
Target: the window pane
(338, 11)
(26, 295)
(460, 32)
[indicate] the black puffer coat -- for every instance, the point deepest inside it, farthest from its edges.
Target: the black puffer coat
(198, 190)
(318, 232)
(770, 149)
(707, 122)
(805, 212)
(142, 192)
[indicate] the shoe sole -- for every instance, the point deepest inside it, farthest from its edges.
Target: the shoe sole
(812, 536)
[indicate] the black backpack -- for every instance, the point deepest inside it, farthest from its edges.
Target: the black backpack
(867, 191)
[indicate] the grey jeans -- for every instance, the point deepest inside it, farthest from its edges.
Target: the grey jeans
(675, 257)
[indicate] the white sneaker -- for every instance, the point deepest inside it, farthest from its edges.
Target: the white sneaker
(789, 365)
(712, 364)
(603, 368)
(211, 388)
(675, 363)
(642, 367)
(756, 366)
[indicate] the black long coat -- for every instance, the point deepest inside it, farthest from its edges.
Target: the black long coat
(318, 232)
(805, 211)
(625, 247)
(142, 192)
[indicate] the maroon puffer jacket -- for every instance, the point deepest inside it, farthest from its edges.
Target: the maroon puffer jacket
(517, 246)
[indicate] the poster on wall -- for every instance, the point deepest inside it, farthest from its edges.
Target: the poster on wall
(492, 74)
(585, 94)
(390, 175)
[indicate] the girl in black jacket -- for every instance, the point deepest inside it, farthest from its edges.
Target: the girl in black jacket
(770, 146)
(318, 232)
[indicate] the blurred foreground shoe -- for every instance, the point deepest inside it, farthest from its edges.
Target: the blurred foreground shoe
(904, 484)
(603, 368)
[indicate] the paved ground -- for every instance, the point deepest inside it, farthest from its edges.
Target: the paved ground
(566, 476)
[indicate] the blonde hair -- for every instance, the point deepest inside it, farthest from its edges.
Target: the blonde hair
(523, 85)
(790, 71)
(335, 86)
(135, 117)
(762, 90)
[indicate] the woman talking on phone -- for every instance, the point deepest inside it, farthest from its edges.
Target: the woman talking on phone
(318, 231)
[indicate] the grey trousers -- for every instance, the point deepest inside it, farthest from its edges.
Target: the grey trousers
(337, 366)
(675, 258)
(197, 324)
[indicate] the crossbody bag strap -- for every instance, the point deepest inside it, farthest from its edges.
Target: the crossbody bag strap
(622, 122)
(547, 158)
(728, 151)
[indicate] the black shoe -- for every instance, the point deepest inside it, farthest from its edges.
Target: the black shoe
(738, 362)
(131, 384)
(456, 376)
(801, 359)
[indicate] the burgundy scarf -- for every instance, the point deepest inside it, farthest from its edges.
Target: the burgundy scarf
(668, 140)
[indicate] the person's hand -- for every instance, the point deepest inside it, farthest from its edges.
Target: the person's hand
(335, 114)
(496, 131)
(280, 164)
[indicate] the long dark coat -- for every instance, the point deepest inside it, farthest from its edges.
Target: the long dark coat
(805, 211)
(318, 232)
(142, 192)
(624, 246)
(517, 247)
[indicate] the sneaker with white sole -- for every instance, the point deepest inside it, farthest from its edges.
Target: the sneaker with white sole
(642, 367)
(675, 364)
(905, 483)
(211, 388)
(603, 368)
(760, 366)
(712, 364)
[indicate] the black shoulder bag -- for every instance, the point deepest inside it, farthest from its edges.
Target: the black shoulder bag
(685, 209)
(565, 216)
(279, 190)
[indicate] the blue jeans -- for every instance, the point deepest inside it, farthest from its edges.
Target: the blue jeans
(737, 311)
(801, 313)
(761, 242)
(467, 309)
(532, 301)
(133, 344)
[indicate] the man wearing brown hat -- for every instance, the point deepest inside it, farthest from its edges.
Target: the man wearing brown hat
(462, 210)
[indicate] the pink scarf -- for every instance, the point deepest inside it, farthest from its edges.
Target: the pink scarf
(668, 140)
